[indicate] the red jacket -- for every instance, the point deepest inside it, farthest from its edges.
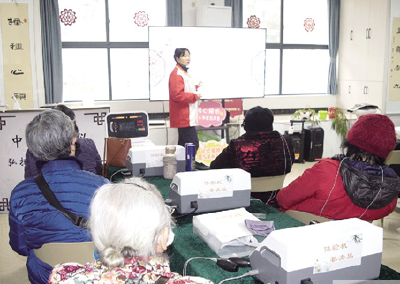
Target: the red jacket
(309, 192)
(183, 109)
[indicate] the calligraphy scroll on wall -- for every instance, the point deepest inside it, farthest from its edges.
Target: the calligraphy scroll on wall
(17, 56)
(394, 81)
(91, 122)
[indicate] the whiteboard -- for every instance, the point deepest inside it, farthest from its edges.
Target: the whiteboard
(230, 62)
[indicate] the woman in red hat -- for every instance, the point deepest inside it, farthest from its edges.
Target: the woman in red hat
(356, 184)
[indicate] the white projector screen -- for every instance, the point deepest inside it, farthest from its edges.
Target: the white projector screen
(230, 62)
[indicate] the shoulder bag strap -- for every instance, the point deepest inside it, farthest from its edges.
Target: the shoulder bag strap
(53, 201)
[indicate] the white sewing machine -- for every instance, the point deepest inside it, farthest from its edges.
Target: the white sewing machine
(336, 250)
(211, 190)
(148, 160)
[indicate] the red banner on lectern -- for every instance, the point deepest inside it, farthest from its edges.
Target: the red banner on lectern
(211, 113)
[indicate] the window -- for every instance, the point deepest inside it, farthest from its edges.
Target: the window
(105, 47)
(297, 56)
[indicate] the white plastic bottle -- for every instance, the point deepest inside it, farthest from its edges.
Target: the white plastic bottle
(170, 163)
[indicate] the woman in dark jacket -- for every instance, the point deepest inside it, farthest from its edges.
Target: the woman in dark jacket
(33, 221)
(355, 185)
(261, 151)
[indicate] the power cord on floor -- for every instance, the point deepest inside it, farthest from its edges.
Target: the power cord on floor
(231, 264)
(250, 273)
(190, 259)
(124, 172)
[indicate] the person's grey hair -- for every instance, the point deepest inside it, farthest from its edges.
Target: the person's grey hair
(126, 220)
(49, 135)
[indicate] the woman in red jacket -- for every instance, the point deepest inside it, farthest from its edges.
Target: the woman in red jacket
(355, 185)
(183, 97)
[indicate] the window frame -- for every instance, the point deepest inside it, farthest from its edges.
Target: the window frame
(108, 46)
(132, 45)
(282, 46)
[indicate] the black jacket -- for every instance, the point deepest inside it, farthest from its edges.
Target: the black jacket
(363, 181)
(259, 153)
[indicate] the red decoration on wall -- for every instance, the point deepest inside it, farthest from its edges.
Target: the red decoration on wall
(253, 22)
(309, 24)
(68, 17)
(141, 19)
(234, 106)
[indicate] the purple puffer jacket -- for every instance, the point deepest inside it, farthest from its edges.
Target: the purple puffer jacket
(87, 155)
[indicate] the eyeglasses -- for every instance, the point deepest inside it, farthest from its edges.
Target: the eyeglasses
(138, 185)
(77, 146)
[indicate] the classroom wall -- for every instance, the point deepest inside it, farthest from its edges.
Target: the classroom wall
(273, 102)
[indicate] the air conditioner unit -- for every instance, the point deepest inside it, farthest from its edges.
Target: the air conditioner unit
(214, 16)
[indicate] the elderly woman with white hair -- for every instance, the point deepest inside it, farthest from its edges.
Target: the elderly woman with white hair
(130, 227)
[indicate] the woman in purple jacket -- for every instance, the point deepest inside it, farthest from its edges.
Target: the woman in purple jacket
(86, 151)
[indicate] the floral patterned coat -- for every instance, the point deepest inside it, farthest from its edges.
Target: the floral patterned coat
(135, 270)
(259, 153)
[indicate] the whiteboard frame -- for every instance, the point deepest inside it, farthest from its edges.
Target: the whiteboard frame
(161, 53)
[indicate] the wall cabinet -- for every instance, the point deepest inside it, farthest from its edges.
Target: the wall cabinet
(353, 92)
(362, 52)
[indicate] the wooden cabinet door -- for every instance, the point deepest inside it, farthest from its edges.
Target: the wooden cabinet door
(378, 26)
(373, 93)
(360, 35)
(346, 43)
(357, 92)
(346, 98)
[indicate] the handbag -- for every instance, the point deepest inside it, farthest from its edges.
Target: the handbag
(44, 187)
(115, 152)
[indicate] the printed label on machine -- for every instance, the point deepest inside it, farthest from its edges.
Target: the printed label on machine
(154, 159)
(216, 186)
(344, 252)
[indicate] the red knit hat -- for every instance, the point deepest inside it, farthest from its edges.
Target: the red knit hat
(373, 133)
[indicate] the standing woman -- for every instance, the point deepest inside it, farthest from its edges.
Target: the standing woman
(183, 97)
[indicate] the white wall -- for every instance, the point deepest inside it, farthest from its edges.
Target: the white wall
(38, 52)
